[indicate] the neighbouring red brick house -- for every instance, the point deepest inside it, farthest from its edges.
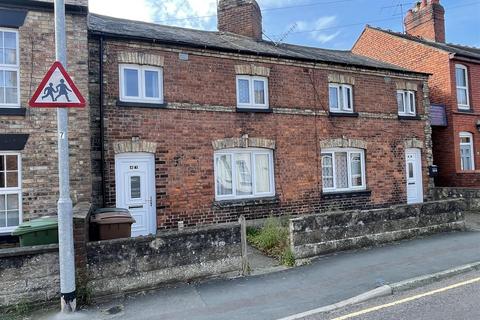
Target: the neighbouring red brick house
(193, 127)
(454, 90)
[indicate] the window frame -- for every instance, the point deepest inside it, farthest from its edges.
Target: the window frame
(349, 151)
(341, 92)
(466, 87)
(412, 112)
(251, 90)
(12, 67)
(469, 135)
(142, 89)
(14, 190)
(253, 152)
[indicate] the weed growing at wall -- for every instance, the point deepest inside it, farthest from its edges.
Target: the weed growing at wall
(273, 240)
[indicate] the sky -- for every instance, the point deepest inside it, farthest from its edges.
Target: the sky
(333, 24)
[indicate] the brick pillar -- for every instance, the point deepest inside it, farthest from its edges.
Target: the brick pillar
(81, 217)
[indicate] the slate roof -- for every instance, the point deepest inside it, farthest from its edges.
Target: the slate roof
(458, 50)
(229, 42)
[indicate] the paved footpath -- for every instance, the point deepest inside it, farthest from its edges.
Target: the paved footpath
(325, 281)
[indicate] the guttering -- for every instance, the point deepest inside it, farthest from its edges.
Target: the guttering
(102, 124)
(455, 56)
(242, 51)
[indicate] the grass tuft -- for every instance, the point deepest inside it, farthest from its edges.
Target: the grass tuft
(273, 240)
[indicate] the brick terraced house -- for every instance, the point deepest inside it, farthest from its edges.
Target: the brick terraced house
(454, 89)
(28, 137)
(193, 127)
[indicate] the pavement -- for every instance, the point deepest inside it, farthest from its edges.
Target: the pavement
(270, 296)
(453, 298)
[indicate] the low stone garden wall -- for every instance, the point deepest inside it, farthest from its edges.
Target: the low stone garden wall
(335, 231)
(29, 275)
(470, 195)
(127, 265)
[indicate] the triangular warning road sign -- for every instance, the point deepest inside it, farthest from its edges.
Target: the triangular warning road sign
(57, 90)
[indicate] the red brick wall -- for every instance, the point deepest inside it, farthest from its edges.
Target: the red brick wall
(184, 158)
(413, 55)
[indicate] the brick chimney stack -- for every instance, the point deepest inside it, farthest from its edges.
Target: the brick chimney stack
(426, 20)
(241, 17)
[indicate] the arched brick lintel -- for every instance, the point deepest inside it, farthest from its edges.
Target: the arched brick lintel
(134, 146)
(243, 142)
(343, 143)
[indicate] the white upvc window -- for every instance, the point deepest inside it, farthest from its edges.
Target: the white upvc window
(9, 69)
(10, 191)
(467, 158)
(461, 76)
(141, 83)
(406, 103)
(343, 169)
(244, 173)
(340, 97)
(252, 92)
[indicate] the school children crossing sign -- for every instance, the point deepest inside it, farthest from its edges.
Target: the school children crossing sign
(57, 90)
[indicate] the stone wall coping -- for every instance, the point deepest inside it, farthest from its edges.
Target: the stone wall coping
(82, 210)
(399, 206)
(25, 251)
(171, 233)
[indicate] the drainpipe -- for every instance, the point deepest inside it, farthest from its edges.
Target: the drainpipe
(102, 125)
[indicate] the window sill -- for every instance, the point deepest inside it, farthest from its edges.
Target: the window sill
(469, 172)
(343, 114)
(346, 194)
(13, 111)
(245, 202)
(131, 104)
(254, 110)
(402, 117)
(469, 110)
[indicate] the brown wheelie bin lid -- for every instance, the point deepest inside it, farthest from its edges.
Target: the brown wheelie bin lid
(112, 217)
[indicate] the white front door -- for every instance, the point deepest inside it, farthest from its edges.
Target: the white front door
(414, 176)
(135, 190)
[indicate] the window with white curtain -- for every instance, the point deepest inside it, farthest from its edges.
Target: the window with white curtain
(343, 169)
(9, 69)
(10, 192)
(244, 173)
(461, 77)
(467, 159)
(340, 97)
(406, 103)
(141, 83)
(252, 92)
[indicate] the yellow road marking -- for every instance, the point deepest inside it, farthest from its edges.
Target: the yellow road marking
(391, 304)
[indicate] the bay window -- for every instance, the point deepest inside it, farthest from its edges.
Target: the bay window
(244, 173)
(343, 169)
(9, 69)
(406, 103)
(461, 76)
(10, 192)
(340, 98)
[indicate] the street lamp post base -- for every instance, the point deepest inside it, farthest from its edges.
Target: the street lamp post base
(68, 302)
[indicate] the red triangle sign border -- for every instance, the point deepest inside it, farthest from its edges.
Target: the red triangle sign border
(54, 104)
